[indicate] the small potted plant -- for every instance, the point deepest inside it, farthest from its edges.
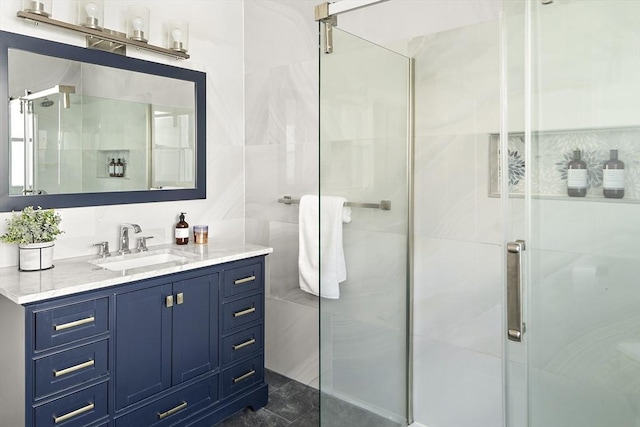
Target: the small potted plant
(34, 230)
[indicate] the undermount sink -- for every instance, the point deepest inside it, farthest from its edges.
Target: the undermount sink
(157, 258)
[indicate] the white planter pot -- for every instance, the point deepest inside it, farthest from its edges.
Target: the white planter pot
(35, 256)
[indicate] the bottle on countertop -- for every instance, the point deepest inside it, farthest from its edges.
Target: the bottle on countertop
(182, 231)
(112, 167)
(577, 176)
(613, 177)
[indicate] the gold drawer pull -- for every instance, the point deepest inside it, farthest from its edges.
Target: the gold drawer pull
(244, 344)
(73, 368)
(178, 408)
(74, 324)
(72, 414)
(244, 377)
(180, 298)
(245, 280)
(244, 312)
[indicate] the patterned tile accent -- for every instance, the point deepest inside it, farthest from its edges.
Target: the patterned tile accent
(554, 149)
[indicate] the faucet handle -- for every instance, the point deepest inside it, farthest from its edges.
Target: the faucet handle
(104, 249)
(142, 243)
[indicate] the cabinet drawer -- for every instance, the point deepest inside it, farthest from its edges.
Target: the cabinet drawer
(243, 279)
(242, 376)
(241, 312)
(78, 409)
(70, 368)
(175, 407)
(241, 344)
(61, 325)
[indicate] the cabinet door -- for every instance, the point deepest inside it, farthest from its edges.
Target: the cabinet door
(195, 327)
(143, 344)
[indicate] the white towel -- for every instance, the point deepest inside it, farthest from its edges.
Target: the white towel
(321, 263)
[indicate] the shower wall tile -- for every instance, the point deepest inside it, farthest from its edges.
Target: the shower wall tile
(273, 171)
(283, 238)
(597, 228)
(375, 291)
(407, 19)
(368, 170)
(291, 343)
(451, 189)
(458, 294)
(457, 105)
(282, 104)
(580, 302)
(279, 33)
(457, 81)
(455, 386)
(570, 97)
(281, 158)
(373, 379)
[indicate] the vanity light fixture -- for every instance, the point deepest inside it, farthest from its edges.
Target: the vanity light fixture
(90, 14)
(178, 36)
(38, 7)
(138, 24)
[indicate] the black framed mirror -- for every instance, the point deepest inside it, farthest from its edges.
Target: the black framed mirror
(84, 127)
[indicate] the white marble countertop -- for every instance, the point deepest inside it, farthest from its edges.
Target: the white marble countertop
(74, 275)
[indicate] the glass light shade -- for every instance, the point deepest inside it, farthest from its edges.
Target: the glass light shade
(178, 36)
(91, 13)
(138, 23)
(40, 7)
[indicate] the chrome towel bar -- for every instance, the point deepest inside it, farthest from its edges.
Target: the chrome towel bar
(384, 205)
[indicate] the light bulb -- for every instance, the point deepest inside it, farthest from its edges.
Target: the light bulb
(137, 23)
(91, 9)
(177, 35)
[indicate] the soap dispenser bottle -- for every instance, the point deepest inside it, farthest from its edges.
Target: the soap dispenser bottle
(613, 177)
(112, 168)
(182, 231)
(119, 168)
(577, 176)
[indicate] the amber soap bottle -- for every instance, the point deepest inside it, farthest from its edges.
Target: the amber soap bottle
(613, 177)
(577, 176)
(182, 231)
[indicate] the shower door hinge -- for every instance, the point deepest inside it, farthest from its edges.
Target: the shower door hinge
(328, 37)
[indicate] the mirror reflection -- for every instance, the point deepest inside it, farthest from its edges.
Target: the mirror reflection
(77, 127)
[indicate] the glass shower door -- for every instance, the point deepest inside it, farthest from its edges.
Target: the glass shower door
(364, 157)
(581, 294)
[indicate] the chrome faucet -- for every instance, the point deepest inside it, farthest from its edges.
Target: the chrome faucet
(124, 237)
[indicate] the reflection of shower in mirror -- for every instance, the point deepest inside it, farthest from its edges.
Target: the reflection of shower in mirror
(65, 90)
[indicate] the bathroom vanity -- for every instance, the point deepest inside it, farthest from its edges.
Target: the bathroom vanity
(177, 343)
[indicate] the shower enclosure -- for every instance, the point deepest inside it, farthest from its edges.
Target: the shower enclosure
(525, 300)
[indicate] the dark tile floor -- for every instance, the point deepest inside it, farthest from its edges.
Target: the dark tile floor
(297, 405)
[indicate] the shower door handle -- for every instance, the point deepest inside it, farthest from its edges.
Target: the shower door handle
(515, 327)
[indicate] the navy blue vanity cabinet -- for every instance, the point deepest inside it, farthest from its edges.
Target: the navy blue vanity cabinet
(183, 350)
(167, 334)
